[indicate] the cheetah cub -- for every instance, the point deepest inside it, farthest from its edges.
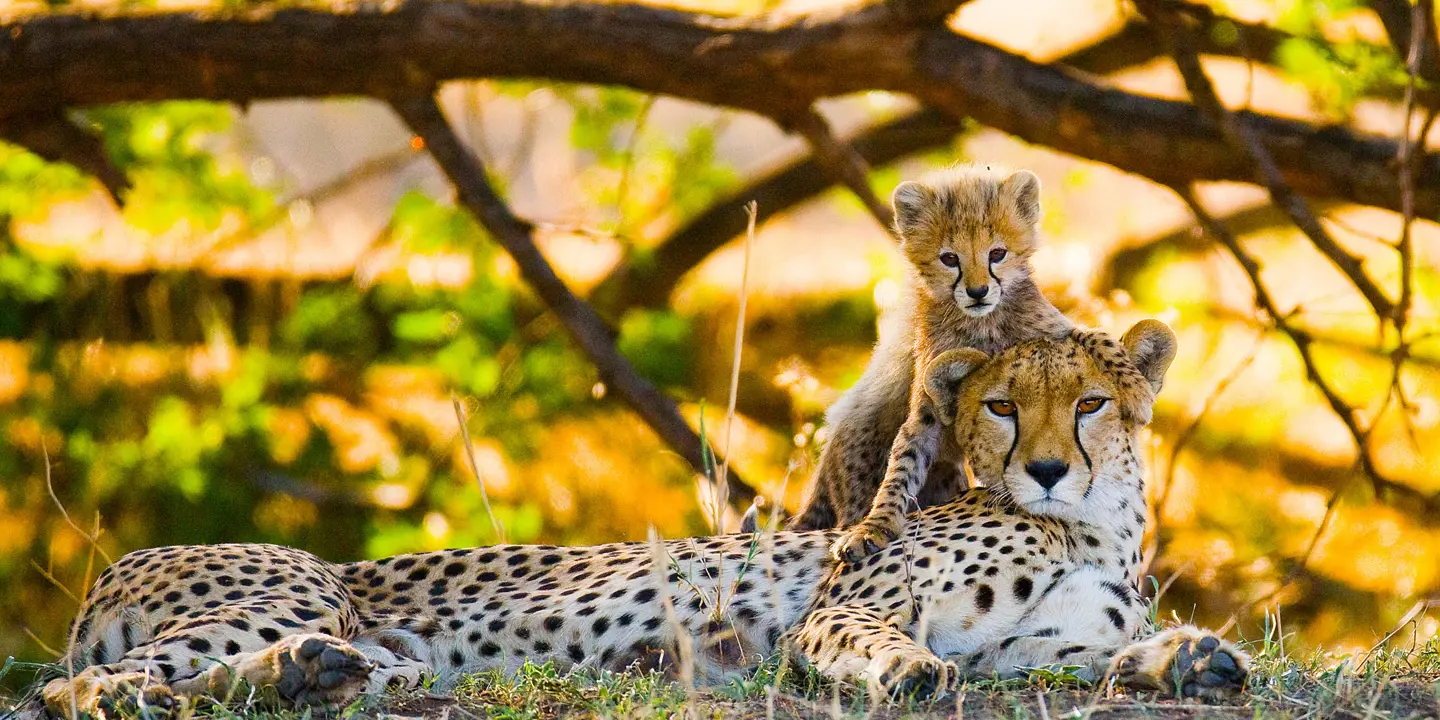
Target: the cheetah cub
(968, 233)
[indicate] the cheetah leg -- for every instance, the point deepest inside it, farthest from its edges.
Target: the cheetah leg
(1017, 655)
(391, 669)
(193, 655)
(852, 643)
(1184, 661)
(1081, 620)
(914, 449)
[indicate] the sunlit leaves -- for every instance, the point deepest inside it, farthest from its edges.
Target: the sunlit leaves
(27, 182)
(1335, 72)
(334, 320)
(660, 344)
(420, 224)
(173, 154)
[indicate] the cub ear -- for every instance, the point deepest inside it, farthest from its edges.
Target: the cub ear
(1022, 191)
(943, 376)
(911, 203)
(1151, 345)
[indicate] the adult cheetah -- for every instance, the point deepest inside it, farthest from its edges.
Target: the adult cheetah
(1038, 569)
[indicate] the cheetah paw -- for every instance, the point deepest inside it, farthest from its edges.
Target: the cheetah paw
(128, 695)
(321, 670)
(311, 669)
(921, 679)
(1185, 662)
(866, 538)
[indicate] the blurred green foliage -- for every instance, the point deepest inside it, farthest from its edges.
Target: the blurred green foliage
(1337, 73)
(284, 441)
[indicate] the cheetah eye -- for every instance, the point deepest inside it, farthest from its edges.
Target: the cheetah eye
(949, 259)
(1003, 408)
(1090, 406)
(997, 255)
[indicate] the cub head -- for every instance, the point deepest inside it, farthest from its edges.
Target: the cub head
(1050, 424)
(969, 232)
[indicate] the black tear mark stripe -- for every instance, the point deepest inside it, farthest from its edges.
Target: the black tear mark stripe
(1015, 439)
(1081, 445)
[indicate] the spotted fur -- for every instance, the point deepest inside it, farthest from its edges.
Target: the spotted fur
(994, 582)
(952, 226)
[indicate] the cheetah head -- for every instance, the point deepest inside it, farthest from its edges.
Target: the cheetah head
(969, 233)
(1050, 424)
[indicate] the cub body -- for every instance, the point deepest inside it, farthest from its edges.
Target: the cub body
(968, 234)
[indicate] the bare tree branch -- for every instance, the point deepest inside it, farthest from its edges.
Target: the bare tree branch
(51, 135)
(474, 191)
(651, 283)
(1240, 135)
(772, 65)
(842, 162)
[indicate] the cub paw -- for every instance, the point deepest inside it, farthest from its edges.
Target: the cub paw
(922, 678)
(870, 536)
(1184, 662)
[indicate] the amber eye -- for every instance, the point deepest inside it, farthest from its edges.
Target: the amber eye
(997, 255)
(949, 259)
(1090, 405)
(1003, 408)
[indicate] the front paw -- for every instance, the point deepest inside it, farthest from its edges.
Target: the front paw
(870, 536)
(304, 670)
(1184, 662)
(320, 670)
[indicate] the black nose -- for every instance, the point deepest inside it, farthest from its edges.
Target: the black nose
(1047, 472)
(977, 292)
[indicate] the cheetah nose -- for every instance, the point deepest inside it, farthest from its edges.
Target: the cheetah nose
(976, 293)
(1047, 472)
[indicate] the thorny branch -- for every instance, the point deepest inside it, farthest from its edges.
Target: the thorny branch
(473, 190)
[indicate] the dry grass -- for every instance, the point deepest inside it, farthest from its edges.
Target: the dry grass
(1389, 684)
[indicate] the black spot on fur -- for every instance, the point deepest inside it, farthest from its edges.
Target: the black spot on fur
(1023, 587)
(984, 598)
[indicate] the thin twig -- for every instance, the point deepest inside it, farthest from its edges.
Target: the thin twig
(841, 161)
(1174, 31)
(1300, 565)
(1299, 337)
(1410, 615)
(495, 524)
(622, 191)
(1422, 14)
(721, 496)
(1182, 439)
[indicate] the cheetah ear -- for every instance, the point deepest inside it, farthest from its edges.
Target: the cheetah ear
(911, 203)
(943, 376)
(1151, 345)
(1022, 191)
